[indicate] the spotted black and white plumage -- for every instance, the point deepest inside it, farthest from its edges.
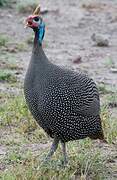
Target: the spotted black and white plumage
(64, 103)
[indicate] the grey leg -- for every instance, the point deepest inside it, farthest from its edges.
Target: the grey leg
(52, 149)
(64, 152)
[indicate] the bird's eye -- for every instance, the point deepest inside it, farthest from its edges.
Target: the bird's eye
(36, 19)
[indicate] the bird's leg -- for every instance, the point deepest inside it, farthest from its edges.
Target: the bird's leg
(52, 149)
(65, 161)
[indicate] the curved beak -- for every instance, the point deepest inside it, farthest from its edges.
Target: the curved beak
(28, 22)
(26, 25)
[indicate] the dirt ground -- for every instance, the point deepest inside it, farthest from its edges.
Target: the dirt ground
(69, 27)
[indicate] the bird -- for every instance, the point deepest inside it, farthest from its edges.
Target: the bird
(64, 103)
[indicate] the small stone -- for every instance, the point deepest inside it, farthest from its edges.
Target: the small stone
(44, 11)
(77, 60)
(2, 167)
(100, 40)
(13, 50)
(113, 70)
(2, 150)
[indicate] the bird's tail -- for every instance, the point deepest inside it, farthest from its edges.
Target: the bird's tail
(102, 138)
(99, 135)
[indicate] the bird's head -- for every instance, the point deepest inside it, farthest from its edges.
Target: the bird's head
(35, 22)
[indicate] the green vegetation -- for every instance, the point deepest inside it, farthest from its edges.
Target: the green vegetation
(112, 100)
(30, 40)
(85, 160)
(81, 166)
(14, 112)
(109, 125)
(103, 89)
(7, 76)
(109, 62)
(20, 47)
(106, 89)
(27, 6)
(9, 68)
(3, 2)
(11, 46)
(3, 40)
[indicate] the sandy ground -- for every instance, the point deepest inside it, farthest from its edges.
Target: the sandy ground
(69, 27)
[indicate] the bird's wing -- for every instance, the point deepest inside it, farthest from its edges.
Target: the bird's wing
(72, 93)
(84, 96)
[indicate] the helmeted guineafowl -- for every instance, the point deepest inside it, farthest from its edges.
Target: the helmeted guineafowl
(64, 103)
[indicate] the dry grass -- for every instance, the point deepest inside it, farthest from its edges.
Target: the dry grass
(27, 6)
(85, 160)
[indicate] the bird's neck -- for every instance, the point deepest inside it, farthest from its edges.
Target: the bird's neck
(38, 65)
(36, 39)
(38, 55)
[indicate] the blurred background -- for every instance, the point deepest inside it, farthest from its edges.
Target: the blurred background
(81, 35)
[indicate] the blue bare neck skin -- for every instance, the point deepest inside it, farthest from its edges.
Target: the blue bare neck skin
(38, 55)
(39, 34)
